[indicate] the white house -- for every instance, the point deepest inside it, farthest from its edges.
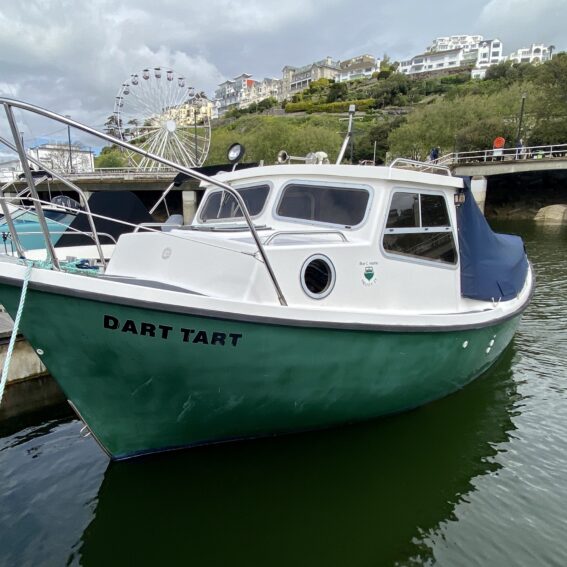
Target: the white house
(455, 51)
(9, 170)
(536, 53)
(490, 52)
(243, 90)
(359, 67)
(447, 43)
(437, 61)
(63, 158)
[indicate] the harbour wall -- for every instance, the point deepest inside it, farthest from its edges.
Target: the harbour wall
(29, 386)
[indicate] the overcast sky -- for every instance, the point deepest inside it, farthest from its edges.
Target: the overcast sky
(72, 56)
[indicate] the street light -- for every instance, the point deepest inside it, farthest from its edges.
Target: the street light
(524, 96)
(70, 152)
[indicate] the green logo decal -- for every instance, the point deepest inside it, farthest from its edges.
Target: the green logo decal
(369, 272)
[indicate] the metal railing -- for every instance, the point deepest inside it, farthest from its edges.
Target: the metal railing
(504, 154)
(31, 188)
(420, 165)
(278, 233)
(9, 104)
(101, 173)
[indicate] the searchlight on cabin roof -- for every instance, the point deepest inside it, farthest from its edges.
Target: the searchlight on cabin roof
(235, 152)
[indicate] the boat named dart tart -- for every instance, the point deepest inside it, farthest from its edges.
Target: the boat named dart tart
(300, 296)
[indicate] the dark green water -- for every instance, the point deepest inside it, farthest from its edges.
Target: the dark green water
(479, 478)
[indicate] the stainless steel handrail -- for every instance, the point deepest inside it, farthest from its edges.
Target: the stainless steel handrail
(302, 233)
(422, 164)
(29, 178)
(9, 103)
(162, 198)
(10, 222)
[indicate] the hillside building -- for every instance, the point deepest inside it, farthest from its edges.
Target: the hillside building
(448, 43)
(242, 91)
(359, 67)
(536, 53)
(10, 169)
(490, 52)
(456, 52)
(296, 79)
(62, 158)
(433, 61)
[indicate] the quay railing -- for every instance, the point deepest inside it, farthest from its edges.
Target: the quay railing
(9, 104)
(101, 173)
(504, 154)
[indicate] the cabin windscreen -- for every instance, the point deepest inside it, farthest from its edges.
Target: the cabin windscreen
(493, 266)
(221, 205)
(332, 205)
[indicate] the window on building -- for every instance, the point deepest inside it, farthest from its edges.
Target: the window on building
(418, 226)
(221, 205)
(334, 205)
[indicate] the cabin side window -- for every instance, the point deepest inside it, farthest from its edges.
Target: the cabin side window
(343, 206)
(418, 226)
(221, 205)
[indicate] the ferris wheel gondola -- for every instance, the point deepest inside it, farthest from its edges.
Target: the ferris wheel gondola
(157, 111)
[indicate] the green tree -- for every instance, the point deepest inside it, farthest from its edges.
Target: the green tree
(113, 125)
(265, 136)
(467, 122)
(111, 156)
(337, 92)
(376, 134)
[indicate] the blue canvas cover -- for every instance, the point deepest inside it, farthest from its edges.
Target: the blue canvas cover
(493, 266)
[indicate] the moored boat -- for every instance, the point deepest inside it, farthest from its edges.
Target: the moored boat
(301, 296)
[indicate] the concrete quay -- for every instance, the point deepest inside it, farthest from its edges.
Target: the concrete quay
(29, 386)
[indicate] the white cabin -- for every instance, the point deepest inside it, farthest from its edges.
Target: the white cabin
(352, 238)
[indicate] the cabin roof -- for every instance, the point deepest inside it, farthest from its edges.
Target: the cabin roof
(341, 173)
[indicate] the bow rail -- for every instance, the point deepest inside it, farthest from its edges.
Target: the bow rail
(9, 104)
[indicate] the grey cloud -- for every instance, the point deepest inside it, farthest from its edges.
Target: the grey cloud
(72, 56)
(522, 22)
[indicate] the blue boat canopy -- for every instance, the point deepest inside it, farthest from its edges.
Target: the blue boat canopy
(493, 266)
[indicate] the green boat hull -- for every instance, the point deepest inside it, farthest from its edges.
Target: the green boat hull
(146, 380)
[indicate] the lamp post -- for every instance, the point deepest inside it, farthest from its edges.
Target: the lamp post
(70, 151)
(524, 96)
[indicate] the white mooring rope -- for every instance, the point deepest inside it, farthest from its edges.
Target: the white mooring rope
(8, 358)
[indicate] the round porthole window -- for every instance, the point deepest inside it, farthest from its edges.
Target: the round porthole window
(318, 276)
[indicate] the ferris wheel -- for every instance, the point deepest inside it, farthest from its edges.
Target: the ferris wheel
(156, 111)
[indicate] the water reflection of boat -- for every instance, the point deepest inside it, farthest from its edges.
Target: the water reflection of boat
(361, 495)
